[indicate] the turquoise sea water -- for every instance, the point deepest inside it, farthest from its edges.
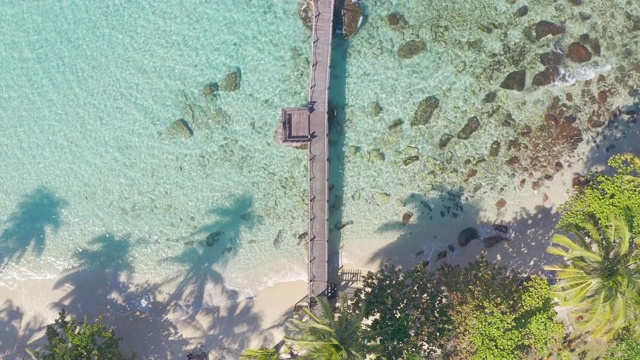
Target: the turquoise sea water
(88, 89)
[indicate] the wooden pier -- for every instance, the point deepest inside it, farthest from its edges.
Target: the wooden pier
(315, 131)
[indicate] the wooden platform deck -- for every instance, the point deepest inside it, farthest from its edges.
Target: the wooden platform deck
(295, 125)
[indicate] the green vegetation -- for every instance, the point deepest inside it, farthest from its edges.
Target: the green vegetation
(409, 308)
(331, 336)
(68, 339)
(600, 278)
(498, 314)
(260, 354)
(605, 194)
(626, 348)
(481, 311)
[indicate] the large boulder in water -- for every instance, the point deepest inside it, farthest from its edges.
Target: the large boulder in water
(305, 13)
(425, 111)
(351, 18)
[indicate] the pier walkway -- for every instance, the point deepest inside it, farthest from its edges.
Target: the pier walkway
(311, 125)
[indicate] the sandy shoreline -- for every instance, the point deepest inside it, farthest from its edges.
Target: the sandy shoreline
(156, 330)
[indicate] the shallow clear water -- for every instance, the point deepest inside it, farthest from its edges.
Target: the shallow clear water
(88, 90)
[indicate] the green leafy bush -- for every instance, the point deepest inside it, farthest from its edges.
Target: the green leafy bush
(498, 315)
(68, 339)
(626, 348)
(606, 194)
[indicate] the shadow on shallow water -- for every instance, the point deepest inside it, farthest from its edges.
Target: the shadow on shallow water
(337, 120)
(38, 212)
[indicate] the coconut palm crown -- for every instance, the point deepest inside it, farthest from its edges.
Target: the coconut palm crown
(330, 335)
(601, 278)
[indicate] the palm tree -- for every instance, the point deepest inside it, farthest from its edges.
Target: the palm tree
(601, 278)
(330, 335)
(260, 354)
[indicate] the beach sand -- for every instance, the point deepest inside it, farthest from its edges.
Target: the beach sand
(146, 314)
(157, 331)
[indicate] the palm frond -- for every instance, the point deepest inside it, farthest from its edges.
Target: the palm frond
(574, 249)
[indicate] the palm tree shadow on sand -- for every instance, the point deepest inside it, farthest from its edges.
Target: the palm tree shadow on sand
(217, 244)
(102, 283)
(424, 231)
(230, 326)
(18, 330)
(37, 213)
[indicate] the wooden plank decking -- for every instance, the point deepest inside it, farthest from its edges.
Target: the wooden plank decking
(311, 124)
(321, 37)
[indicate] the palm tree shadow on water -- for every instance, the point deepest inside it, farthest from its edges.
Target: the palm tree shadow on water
(216, 245)
(230, 326)
(37, 213)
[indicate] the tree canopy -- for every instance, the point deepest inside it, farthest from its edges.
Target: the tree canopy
(68, 339)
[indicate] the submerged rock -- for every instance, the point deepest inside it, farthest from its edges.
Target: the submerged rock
(381, 198)
(397, 22)
(351, 18)
(472, 125)
(466, 235)
(277, 241)
(515, 80)
(522, 11)
(491, 241)
(180, 128)
(406, 217)
(305, 13)
(546, 76)
(444, 141)
(551, 58)
(494, 150)
(395, 124)
(411, 48)
(231, 81)
(579, 53)
(376, 155)
(544, 28)
(210, 89)
(375, 109)
(213, 238)
(425, 111)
